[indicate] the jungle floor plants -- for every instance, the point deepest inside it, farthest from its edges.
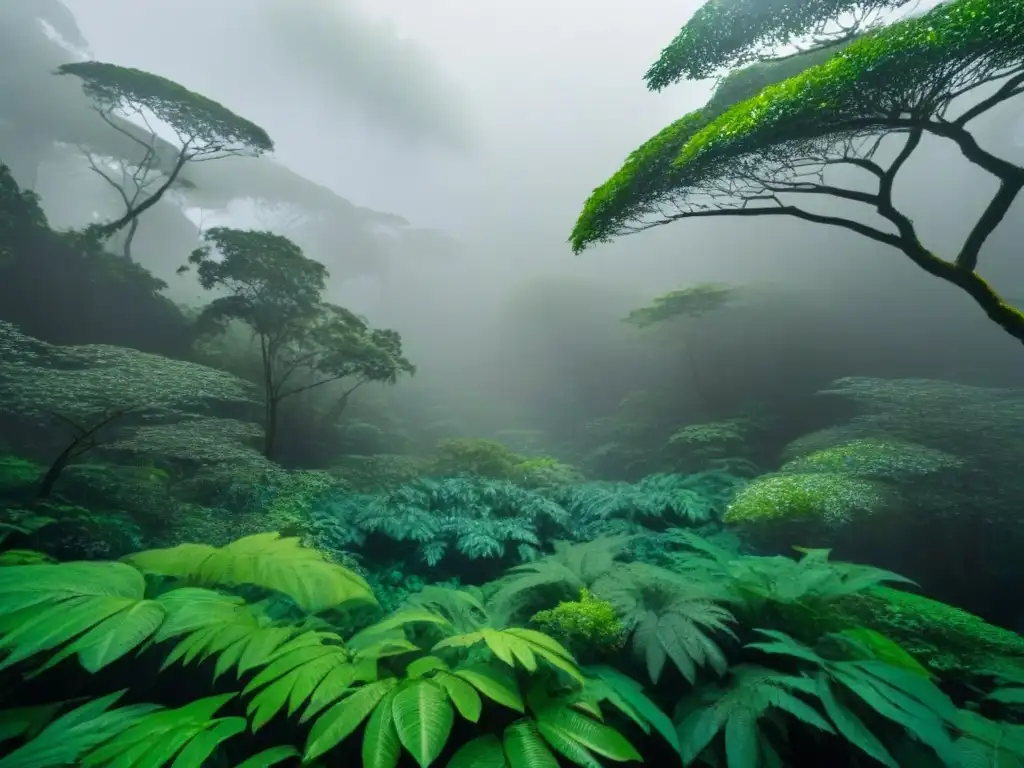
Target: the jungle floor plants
(263, 652)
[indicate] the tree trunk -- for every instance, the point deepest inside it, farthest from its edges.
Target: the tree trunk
(53, 473)
(270, 428)
(132, 229)
(133, 213)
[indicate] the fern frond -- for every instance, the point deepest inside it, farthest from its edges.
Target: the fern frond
(670, 619)
(264, 560)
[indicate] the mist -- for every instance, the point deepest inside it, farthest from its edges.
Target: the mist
(464, 140)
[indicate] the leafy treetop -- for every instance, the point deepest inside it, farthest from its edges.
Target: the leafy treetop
(893, 79)
(204, 126)
(269, 282)
(729, 33)
(694, 301)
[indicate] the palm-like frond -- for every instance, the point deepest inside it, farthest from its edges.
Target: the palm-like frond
(897, 694)
(264, 560)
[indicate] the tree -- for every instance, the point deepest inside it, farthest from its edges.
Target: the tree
(104, 395)
(304, 342)
(205, 129)
(862, 112)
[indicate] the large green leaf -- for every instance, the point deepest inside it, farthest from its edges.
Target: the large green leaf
(481, 752)
(338, 722)
(64, 741)
(588, 733)
(423, 719)
(496, 685)
(524, 747)
(381, 745)
(264, 560)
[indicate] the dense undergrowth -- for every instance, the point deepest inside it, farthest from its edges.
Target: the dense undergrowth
(263, 652)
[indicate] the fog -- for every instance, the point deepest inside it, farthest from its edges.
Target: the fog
(485, 126)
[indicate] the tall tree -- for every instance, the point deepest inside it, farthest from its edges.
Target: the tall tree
(304, 342)
(103, 395)
(864, 111)
(691, 303)
(205, 130)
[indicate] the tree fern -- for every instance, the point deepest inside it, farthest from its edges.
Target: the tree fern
(264, 560)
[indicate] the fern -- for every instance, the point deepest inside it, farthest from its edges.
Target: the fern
(478, 517)
(263, 560)
(555, 578)
(813, 582)
(661, 498)
(669, 618)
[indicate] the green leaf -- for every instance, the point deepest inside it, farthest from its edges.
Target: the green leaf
(1010, 696)
(424, 666)
(524, 747)
(381, 746)
(741, 739)
(338, 722)
(563, 743)
(462, 694)
(423, 718)
(494, 684)
(851, 726)
(269, 757)
(595, 736)
(64, 741)
(481, 752)
(631, 694)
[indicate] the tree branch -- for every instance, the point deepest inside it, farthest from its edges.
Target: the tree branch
(791, 210)
(994, 213)
(1007, 90)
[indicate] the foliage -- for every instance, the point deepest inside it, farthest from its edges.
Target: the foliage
(446, 656)
(408, 694)
(729, 34)
(685, 302)
(588, 623)
(765, 155)
(205, 130)
(657, 500)
(476, 517)
(491, 458)
(36, 260)
(944, 638)
(367, 474)
(304, 342)
(833, 498)
(90, 390)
